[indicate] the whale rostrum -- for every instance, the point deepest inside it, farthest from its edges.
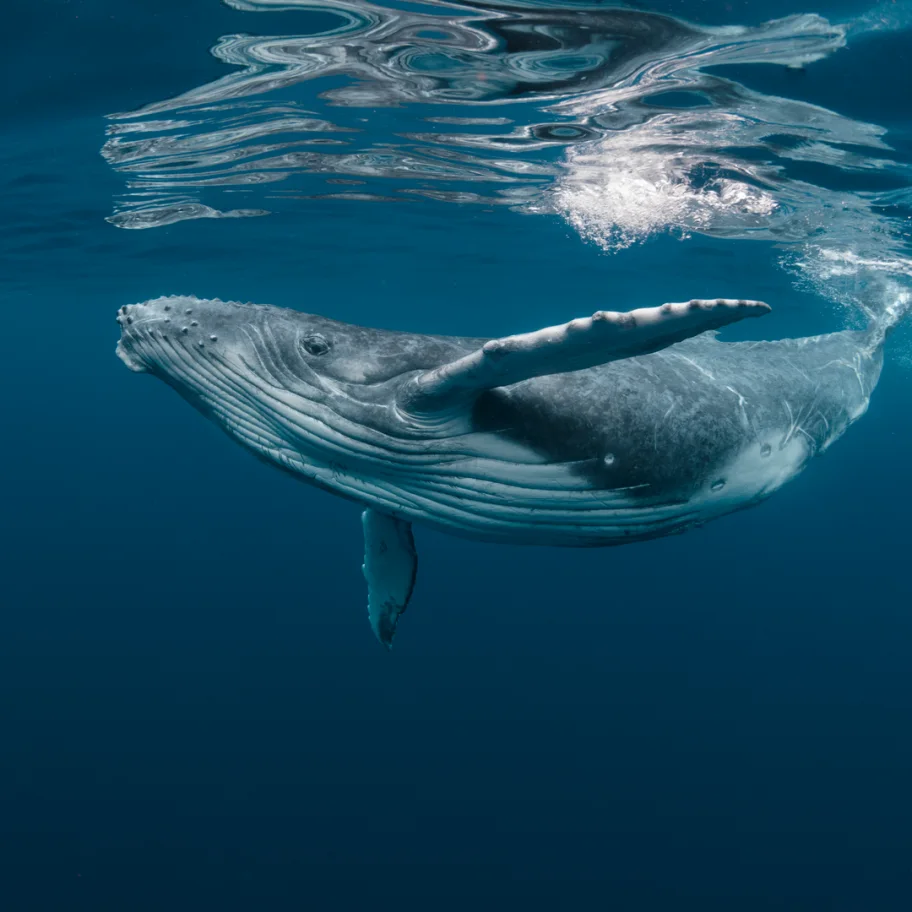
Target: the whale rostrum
(608, 429)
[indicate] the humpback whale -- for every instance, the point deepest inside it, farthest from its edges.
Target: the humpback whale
(608, 429)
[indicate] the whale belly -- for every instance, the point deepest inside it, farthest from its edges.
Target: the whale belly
(560, 504)
(500, 491)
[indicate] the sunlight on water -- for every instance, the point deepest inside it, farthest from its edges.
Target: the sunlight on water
(614, 119)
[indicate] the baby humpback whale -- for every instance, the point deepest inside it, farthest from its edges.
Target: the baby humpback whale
(608, 429)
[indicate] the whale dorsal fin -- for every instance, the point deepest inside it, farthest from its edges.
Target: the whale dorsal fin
(585, 342)
(390, 566)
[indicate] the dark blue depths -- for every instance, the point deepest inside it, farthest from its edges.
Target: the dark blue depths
(193, 712)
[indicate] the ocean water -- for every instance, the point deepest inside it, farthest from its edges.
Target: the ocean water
(194, 713)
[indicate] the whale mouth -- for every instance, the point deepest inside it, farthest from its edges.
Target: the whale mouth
(215, 355)
(157, 336)
(177, 337)
(132, 362)
(123, 350)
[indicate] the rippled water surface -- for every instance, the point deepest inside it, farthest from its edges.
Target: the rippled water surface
(194, 713)
(625, 123)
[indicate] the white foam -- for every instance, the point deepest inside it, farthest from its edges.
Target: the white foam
(833, 263)
(886, 16)
(617, 193)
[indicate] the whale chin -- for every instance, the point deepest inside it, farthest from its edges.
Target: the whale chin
(133, 363)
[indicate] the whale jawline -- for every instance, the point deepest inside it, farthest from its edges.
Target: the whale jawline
(128, 359)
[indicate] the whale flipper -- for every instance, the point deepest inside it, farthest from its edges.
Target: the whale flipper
(581, 343)
(390, 566)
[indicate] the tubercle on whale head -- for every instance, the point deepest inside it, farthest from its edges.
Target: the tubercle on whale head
(249, 368)
(292, 346)
(156, 333)
(282, 382)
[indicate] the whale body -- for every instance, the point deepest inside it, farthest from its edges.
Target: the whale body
(608, 429)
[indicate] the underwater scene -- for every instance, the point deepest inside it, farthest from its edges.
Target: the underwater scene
(456, 455)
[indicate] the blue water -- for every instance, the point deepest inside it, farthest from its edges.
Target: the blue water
(193, 711)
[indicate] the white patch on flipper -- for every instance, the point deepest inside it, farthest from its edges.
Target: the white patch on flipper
(390, 565)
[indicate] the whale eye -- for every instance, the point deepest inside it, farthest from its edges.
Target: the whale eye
(316, 344)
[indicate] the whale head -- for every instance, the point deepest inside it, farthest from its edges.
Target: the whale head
(267, 375)
(282, 382)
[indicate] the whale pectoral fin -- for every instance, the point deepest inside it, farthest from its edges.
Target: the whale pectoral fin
(585, 342)
(390, 566)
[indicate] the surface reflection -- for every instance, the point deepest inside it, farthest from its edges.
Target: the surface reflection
(615, 119)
